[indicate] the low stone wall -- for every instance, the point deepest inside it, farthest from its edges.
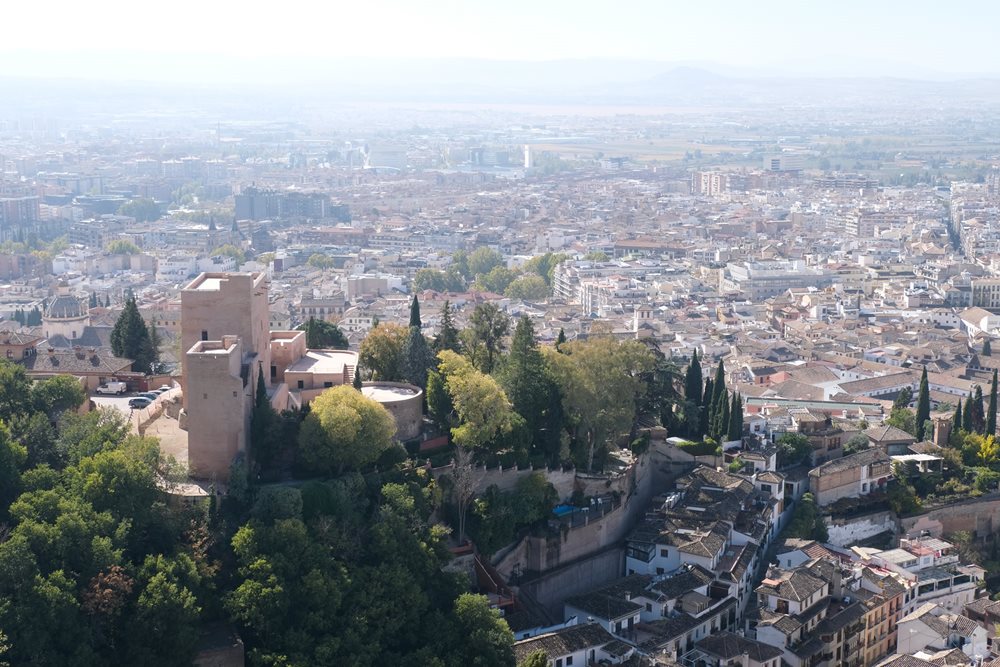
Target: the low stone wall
(845, 532)
(980, 516)
(506, 479)
(542, 554)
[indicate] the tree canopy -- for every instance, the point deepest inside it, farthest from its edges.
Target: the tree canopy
(344, 429)
(130, 338)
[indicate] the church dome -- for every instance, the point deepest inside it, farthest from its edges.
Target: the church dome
(65, 306)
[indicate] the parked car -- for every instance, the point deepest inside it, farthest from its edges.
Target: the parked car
(148, 394)
(137, 403)
(156, 391)
(166, 387)
(112, 388)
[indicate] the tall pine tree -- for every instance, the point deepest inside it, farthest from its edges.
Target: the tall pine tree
(130, 338)
(991, 414)
(923, 405)
(956, 420)
(447, 338)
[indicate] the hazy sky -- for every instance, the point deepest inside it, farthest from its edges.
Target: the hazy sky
(907, 37)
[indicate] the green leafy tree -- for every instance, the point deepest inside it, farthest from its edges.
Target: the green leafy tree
(229, 250)
(381, 352)
(485, 639)
(807, 521)
(596, 256)
(488, 327)
(320, 261)
(793, 449)
(923, 406)
(344, 429)
(130, 338)
(482, 410)
(323, 335)
(497, 280)
(856, 443)
(12, 458)
(544, 266)
(903, 398)
(903, 419)
(535, 659)
(600, 381)
(528, 288)
(56, 395)
(122, 247)
(438, 281)
(143, 210)
(483, 260)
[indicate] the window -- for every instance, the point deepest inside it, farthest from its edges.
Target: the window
(559, 662)
(204, 335)
(274, 371)
(302, 384)
(569, 661)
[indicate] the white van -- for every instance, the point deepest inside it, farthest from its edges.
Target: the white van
(112, 388)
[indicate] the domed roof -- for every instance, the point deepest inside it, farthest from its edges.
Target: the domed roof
(65, 306)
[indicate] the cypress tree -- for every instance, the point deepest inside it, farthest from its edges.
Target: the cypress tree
(956, 420)
(987, 348)
(991, 415)
(967, 414)
(736, 418)
(978, 416)
(720, 382)
(261, 423)
(693, 380)
(722, 416)
(415, 313)
(357, 378)
(561, 338)
(923, 405)
(705, 409)
(34, 317)
(93, 300)
(107, 300)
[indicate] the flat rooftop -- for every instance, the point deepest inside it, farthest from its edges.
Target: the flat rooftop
(324, 361)
(388, 393)
(210, 284)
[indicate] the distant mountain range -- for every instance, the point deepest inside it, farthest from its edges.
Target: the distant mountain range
(577, 82)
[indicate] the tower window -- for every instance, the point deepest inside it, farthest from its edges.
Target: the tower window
(204, 335)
